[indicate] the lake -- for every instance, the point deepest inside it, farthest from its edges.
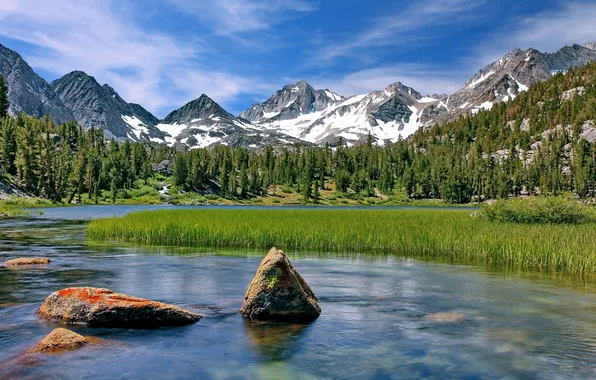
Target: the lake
(377, 320)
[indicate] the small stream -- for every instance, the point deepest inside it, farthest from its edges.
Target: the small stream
(375, 322)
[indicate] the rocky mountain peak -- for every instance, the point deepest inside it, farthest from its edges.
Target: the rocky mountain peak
(302, 84)
(590, 45)
(28, 92)
(505, 78)
(400, 87)
(100, 106)
(290, 102)
(202, 107)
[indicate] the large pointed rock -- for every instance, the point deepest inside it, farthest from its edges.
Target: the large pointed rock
(102, 307)
(278, 292)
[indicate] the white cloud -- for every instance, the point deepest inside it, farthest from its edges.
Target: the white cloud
(405, 27)
(423, 78)
(548, 31)
(104, 41)
(223, 87)
(226, 17)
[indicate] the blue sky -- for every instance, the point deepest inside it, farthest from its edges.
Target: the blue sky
(164, 53)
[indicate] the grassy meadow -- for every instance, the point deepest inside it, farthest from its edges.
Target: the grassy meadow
(452, 235)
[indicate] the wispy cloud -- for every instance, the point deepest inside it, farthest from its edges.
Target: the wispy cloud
(408, 26)
(227, 17)
(427, 79)
(145, 67)
(548, 31)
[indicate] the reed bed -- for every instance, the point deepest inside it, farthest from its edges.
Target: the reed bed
(435, 234)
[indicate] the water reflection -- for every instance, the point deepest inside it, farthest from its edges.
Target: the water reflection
(375, 321)
(275, 340)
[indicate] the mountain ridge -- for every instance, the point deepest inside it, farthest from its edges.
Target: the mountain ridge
(202, 122)
(100, 106)
(504, 79)
(297, 113)
(290, 102)
(27, 91)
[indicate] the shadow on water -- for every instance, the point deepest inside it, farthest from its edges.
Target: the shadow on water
(275, 340)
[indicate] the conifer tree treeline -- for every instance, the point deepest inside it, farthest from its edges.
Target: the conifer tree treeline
(64, 162)
(532, 145)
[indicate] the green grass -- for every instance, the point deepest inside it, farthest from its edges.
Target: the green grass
(17, 206)
(446, 235)
(541, 210)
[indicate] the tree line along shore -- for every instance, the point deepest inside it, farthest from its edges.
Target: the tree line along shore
(537, 144)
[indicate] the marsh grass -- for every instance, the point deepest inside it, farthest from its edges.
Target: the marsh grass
(8, 210)
(445, 235)
(540, 210)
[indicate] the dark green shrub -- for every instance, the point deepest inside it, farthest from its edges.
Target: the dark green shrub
(553, 210)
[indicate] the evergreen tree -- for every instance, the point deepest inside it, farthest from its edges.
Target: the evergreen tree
(3, 98)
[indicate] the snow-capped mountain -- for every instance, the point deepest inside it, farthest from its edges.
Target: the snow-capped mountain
(202, 122)
(297, 113)
(505, 78)
(29, 93)
(386, 115)
(291, 102)
(94, 105)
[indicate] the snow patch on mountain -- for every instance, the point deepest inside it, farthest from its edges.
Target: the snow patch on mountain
(386, 115)
(484, 77)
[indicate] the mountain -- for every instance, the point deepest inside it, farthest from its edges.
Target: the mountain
(503, 79)
(29, 93)
(385, 115)
(297, 113)
(94, 105)
(202, 122)
(291, 102)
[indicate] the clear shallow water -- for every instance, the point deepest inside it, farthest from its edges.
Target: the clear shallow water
(373, 324)
(108, 211)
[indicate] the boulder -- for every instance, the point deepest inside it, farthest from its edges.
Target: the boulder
(60, 340)
(103, 308)
(278, 292)
(27, 261)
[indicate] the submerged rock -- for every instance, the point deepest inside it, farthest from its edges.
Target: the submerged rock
(60, 340)
(27, 261)
(445, 317)
(278, 292)
(102, 307)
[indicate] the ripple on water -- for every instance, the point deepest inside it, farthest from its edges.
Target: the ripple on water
(382, 318)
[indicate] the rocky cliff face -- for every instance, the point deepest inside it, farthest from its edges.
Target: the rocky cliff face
(505, 79)
(97, 106)
(291, 102)
(29, 93)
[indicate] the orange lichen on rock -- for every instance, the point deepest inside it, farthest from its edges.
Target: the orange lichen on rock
(60, 340)
(27, 261)
(103, 307)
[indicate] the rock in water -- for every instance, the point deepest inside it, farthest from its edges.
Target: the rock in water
(103, 308)
(60, 340)
(27, 261)
(445, 317)
(278, 292)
